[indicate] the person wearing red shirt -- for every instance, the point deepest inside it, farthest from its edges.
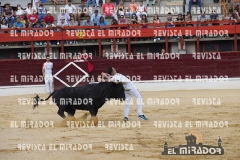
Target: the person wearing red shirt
(108, 9)
(32, 19)
(48, 18)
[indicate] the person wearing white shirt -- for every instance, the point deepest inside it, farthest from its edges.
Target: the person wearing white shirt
(65, 15)
(130, 90)
(63, 23)
(29, 9)
(141, 9)
(47, 74)
(19, 11)
(70, 9)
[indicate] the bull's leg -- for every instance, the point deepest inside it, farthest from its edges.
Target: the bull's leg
(92, 110)
(61, 112)
(71, 112)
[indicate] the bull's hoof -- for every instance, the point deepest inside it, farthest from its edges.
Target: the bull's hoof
(94, 120)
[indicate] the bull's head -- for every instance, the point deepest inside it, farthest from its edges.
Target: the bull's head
(118, 91)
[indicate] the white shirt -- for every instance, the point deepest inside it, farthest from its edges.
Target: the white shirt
(29, 11)
(127, 83)
(141, 8)
(48, 66)
(62, 24)
(67, 17)
(20, 12)
(70, 9)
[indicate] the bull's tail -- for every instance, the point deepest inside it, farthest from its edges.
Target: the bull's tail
(37, 98)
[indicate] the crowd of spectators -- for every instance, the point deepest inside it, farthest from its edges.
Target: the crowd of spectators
(71, 15)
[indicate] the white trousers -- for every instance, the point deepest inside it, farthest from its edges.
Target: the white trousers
(133, 92)
(49, 83)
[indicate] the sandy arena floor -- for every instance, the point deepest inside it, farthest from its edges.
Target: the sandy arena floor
(146, 142)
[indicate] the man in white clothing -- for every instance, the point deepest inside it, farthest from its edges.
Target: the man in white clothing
(47, 74)
(130, 90)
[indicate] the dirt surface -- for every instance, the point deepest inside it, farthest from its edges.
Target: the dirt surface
(142, 140)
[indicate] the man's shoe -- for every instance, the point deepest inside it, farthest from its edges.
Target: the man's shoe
(126, 119)
(142, 117)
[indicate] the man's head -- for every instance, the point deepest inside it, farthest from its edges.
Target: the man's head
(88, 18)
(101, 19)
(69, 2)
(140, 3)
(82, 3)
(202, 14)
(169, 15)
(133, 1)
(96, 12)
(108, 1)
(111, 71)
(40, 3)
(38, 24)
(47, 58)
(18, 19)
(179, 15)
(163, 51)
(62, 19)
(48, 13)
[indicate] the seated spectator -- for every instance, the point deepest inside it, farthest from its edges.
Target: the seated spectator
(82, 11)
(19, 24)
(32, 19)
(224, 6)
(214, 17)
(235, 15)
(29, 9)
(72, 21)
(153, 2)
(8, 14)
(4, 25)
(23, 20)
(133, 8)
(144, 22)
(108, 9)
(141, 10)
(19, 11)
(169, 20)
(70, 9)
(102, 22)
(179, 19)
(123, 20)
(88, 22)
(203, 18)
(135, 20)
(95, 17)
(120, 8)
(226, 17)
(38, 25)
(63, 14)
(101, 1)
(114, 22)
(48, 18)
(194, 2)
(41, 10)
(62, 24)
(189, 19)
(156, 20)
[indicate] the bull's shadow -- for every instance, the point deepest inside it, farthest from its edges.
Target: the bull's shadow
(90, 97)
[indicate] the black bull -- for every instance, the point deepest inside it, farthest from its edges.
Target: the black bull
(90, 97)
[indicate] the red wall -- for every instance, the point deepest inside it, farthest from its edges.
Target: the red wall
(228, 65)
